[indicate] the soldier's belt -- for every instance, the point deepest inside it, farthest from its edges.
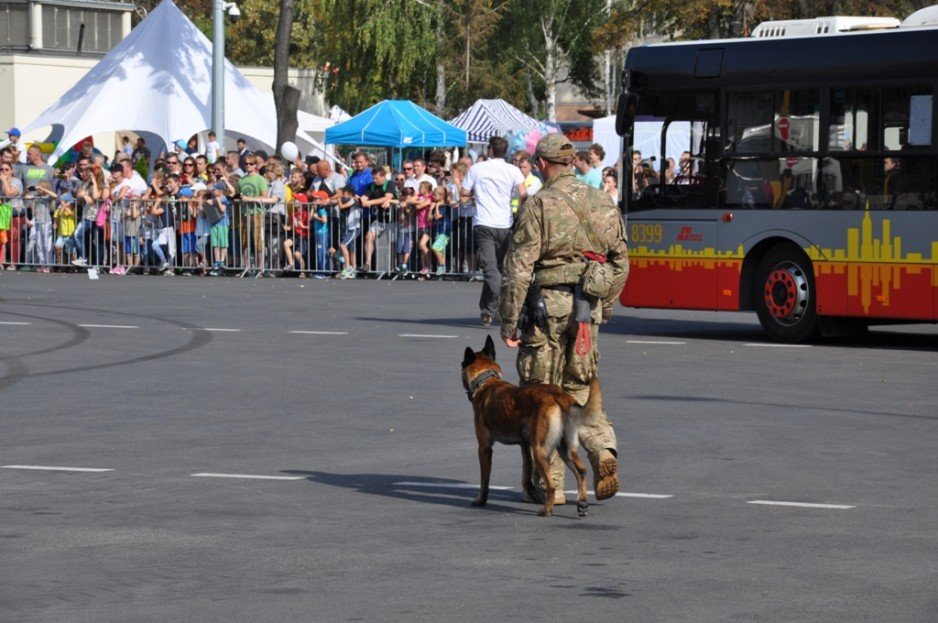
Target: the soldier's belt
(560, 288)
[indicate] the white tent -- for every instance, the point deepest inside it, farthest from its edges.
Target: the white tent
(488, 118)
(157, 82)
(647, 138)
(604, 133)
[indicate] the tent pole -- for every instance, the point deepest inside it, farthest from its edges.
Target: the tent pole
(218, 71)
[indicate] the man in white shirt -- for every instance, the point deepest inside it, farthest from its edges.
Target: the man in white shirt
(420, 175)
(212, 148)
(131, 180)
(326, 179)
(491, 184)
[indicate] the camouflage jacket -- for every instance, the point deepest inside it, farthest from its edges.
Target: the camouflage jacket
(548, 241)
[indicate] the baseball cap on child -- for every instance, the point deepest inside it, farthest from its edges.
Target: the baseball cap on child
(320, 194)
(67, 198)
(13, 132)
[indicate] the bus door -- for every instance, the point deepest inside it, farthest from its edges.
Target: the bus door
(673, 236)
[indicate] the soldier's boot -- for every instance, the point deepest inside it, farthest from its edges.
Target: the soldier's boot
(556, 477)
(605, 478)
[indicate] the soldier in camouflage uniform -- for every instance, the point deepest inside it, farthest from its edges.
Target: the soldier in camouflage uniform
(548, 244)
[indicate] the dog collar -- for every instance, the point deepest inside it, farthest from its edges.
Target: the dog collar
(479, 381)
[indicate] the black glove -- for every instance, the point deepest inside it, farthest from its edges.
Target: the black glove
(534, 312)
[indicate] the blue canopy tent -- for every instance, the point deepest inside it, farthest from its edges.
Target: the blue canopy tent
(396, 124)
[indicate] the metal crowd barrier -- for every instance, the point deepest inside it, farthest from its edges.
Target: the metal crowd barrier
(130, 237)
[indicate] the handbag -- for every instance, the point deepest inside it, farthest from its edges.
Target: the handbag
(103, 210)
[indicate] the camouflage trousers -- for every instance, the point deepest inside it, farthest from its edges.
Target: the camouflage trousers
(550, 357)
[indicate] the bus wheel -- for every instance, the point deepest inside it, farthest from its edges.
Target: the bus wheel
(785, 295)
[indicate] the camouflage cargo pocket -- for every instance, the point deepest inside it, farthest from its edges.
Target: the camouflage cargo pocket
(597, 279)
(534, 364)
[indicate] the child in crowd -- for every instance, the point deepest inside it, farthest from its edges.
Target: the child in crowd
(39, 219)
(441, 226)
(219, 229)
(147, 228)
(131, 217)
(405, 233)
(296, 235)
(349, 205)
(423, 205)
(320, 218)
(202, 228)
(186, 219)
(65, 225)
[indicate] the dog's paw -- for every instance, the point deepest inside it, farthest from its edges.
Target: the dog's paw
(581, 508)
(478, 502)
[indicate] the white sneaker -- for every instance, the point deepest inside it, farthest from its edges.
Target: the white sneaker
(80, 262)
(163, 266)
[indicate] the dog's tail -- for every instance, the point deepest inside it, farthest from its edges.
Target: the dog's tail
(593, 406)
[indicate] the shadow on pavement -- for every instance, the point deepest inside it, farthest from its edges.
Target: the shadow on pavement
(419, 489)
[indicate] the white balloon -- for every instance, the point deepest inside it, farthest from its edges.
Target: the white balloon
(289, 151)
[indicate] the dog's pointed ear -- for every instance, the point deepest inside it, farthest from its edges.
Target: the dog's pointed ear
(469, 357)
(489, 348)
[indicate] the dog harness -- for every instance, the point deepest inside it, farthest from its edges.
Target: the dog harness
(479, 381)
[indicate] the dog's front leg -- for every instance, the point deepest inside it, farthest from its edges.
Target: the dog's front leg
(485, 465)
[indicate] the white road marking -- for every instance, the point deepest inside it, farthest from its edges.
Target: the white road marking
(320, 332)
(651, 496)
(448, 337)
(662, 342)
(800, 504)
(15, 323)
(109, 326)
(622, 494)
(248, 476)
(217, 329)
(57, 469)
(767, 345)
(445, 485)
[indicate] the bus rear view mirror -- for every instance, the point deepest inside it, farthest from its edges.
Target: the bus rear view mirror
(625, 111)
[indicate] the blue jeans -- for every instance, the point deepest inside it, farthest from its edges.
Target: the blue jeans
(96, 240)
(322, 250)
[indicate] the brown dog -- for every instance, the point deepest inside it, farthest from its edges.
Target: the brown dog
(540, 418)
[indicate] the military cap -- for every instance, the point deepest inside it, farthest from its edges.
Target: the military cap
(554, 146)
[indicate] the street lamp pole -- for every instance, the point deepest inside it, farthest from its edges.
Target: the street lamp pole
(218, 72)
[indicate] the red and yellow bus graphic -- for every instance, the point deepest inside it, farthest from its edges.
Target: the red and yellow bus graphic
(871, 277)
(874, 277)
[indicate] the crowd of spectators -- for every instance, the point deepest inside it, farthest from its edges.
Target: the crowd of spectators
(205, 212)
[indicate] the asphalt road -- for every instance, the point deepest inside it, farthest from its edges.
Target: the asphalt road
(348, 393)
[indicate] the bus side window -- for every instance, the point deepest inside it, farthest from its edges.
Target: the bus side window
(854, 119)
(907, 115)
(749, 123)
